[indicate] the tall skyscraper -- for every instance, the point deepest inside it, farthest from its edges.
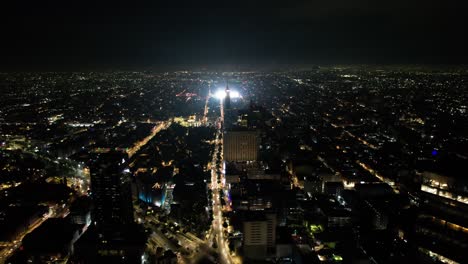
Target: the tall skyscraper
(227, 100)
(111, 190)
(230, 111)
(115, 237)
(240, 146)
(259, 230)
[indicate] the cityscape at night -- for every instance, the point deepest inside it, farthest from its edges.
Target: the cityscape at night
(211, 148)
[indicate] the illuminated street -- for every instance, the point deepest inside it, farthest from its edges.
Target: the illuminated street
(328, 164)
(217, 233)
(10, 248)
(206, 108)
(163, 125)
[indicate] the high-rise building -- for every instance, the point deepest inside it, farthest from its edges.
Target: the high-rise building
(259, 234)
(227, 99)
(111, 190)
(230, 113)
(240, 146)
(255, 238)
(271, 229)
(115, 237)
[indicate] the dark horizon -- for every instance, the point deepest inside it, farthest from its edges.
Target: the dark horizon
(220, 68)
(98, 36)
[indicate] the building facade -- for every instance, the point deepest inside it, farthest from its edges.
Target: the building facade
(240, 146)
(111, 190)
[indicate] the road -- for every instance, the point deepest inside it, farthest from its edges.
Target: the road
(186, 245)
(194, 248)
(217, 229)
(156, 129)
(363, 165)
(205, 110)
(10, 248)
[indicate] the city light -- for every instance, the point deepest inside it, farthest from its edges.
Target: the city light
(221, 94)
(131, 159)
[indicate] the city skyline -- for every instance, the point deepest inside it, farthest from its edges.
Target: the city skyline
(263, 132)
(331, 164)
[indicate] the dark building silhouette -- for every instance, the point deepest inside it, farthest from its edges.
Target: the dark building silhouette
(114, 237)
(259, 230)
(227, 99)
(230, 113)
(240, 146)
(111, 190)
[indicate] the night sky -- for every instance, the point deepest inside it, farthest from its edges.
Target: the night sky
(84, 35)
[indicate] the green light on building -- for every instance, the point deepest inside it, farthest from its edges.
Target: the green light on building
(337, 258)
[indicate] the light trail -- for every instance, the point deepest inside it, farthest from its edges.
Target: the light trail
(388, 181)
(217, 226)
(361, 140)
(205, 111)
(154, 131)
(12, 247)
